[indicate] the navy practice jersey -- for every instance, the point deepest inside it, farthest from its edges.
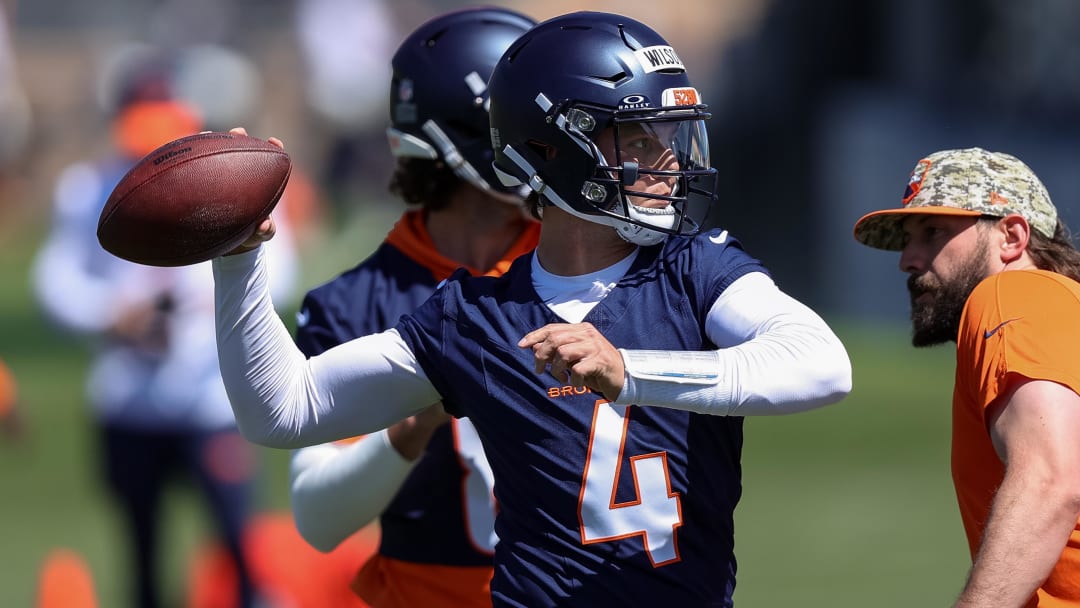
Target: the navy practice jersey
(600, 505)
(427, 521)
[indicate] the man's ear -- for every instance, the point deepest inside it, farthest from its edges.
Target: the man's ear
(1016, 232)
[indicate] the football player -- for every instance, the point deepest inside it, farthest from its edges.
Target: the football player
(608, 373)
(426, 480)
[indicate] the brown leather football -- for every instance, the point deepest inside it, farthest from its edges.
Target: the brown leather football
(193, 199)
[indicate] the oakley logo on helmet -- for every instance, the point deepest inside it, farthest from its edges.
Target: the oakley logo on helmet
(634, 102)
(685, 96)
(655, 58)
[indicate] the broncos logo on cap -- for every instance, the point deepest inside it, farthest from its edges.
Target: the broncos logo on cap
(915, 183)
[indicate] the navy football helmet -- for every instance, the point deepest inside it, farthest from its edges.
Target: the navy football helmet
(438, 91)
(595, 112)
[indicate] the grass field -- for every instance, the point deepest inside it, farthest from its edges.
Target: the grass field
(850, 506)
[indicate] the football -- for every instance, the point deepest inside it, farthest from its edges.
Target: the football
(193, 199)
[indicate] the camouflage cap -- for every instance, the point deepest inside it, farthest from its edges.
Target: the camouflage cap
(971, 182)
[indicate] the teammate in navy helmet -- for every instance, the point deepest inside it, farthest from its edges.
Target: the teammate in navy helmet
(425, 478)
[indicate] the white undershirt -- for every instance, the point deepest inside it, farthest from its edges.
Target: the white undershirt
(573, 297)
(776, 356)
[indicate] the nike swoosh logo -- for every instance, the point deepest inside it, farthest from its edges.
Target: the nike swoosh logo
(302, 317)
(990, 332)
(719, 239)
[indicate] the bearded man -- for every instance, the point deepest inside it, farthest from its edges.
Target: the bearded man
(992, 268)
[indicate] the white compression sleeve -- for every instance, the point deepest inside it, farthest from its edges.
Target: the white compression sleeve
(776, 356)
(283, 400)
(337, 489)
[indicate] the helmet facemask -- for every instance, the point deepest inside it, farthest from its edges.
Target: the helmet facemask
(652, 176)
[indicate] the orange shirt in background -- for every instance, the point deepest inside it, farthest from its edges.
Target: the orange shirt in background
(1018, 323)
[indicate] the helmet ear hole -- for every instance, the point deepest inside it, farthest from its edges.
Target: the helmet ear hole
(544, 151)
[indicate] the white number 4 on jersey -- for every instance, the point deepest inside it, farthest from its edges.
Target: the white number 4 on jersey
(654, 514)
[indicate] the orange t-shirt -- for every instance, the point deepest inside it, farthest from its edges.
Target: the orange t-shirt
(1019, 322)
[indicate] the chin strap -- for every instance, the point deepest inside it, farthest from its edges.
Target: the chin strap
(640, 235)
(405, 145)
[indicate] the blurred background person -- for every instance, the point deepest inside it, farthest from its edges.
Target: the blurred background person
(154, 383)
(345, 46)
(426, 478)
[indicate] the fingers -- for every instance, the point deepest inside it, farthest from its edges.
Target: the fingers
(263, 233)
(242, 131)
(266, 230)
(569, 349)
(545, 343)
(536, 340)
(537, 335)
(572, 362)
(578, 354)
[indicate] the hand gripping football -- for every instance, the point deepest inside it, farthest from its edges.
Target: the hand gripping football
(193, 199)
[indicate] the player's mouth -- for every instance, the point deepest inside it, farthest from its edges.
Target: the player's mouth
(919, 291)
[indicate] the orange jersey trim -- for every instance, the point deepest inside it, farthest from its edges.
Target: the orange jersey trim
(411, 237)
(1018, 323)
(390, 583)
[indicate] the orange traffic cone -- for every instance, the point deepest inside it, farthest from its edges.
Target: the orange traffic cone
(64, 581)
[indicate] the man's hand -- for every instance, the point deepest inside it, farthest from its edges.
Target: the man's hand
(144, 325)
(266, 228)
(579, 354)
(263, 233)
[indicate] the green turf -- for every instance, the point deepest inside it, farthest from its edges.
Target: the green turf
(852, 505)
(849, 506)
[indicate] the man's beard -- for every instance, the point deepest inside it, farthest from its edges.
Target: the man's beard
(937, 320)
